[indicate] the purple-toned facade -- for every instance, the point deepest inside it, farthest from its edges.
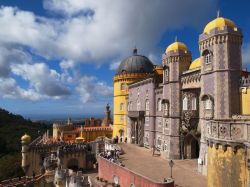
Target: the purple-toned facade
(176, 113)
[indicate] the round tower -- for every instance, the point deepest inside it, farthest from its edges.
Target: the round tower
(25, 140)
(130, 70)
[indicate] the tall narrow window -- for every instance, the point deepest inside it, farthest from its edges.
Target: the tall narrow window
(166, 108)
(166, 75)
(121, 106)
(185, 103)
(193, 103)
(159, 104)
(208, 58)
(147, 105)
(122, 86)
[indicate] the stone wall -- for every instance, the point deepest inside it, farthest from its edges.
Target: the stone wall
(226, 167)
(125, 177)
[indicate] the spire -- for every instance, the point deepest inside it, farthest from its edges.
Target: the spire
(135, 51)
(218, 13)
(176, 39)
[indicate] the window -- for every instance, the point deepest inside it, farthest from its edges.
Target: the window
(121, 106)
(193, 103)
(208, 104)
(158, 143)
(166, 75)
(185, 103)
(147, 105)
(208, 58)
(166, 109)
(138, 92)
(159, 105)
(121, 118)
(122, 86)
(138, 105)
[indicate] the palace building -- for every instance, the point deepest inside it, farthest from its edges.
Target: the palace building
(191, 109)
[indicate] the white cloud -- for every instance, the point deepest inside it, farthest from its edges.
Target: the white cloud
(44, 80)
(90, 89)
(9, 89)
(94, 30)
(88, 31)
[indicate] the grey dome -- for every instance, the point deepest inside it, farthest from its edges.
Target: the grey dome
(136, 64)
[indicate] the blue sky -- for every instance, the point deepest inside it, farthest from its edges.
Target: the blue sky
(57, 58)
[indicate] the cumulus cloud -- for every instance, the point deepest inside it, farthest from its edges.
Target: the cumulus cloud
(78, 32)
(99, 29)
(9, 89)
(90, 89)
(44, 80)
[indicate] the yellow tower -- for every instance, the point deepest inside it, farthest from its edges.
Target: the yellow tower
(130, 70)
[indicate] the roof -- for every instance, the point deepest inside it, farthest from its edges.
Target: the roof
(219, 23)
(177, 46)
(135, 64)
(195, 64)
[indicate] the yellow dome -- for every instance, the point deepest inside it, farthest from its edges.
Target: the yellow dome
(26, 138)
(195, 64)
(176, 46)
(219, 23)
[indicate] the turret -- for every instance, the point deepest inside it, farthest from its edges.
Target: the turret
(176, 59)
(25, 140)
(220, 50)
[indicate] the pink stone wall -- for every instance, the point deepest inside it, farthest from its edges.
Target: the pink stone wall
(107, 170)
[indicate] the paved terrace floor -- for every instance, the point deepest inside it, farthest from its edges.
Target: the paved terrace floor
(140, 160)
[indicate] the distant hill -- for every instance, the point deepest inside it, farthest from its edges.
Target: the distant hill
(12, 127)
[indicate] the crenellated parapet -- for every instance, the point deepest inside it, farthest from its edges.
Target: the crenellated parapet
(216, 36)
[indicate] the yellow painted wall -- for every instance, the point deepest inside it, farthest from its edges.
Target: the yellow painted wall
(245, 101)
(120, 97)
(226, 168)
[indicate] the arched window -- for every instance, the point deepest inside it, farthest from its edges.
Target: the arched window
(159, 104)
(121, 106)
(122, 86)
(138, 105)
(193, 103)
(208, 58)
(185, 103)
(208, 104)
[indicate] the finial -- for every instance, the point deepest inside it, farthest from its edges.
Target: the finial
(175, 39)
(218, 13)
(135, 51)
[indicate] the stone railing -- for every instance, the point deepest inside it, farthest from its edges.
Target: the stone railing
(228, 132)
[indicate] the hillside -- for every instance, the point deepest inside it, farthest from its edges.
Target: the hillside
(12, 127)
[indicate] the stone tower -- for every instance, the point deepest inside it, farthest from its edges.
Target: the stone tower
(220, 50)
(130, 70)
(176, 59)
(107, 119)
(25, 140)
(221, 65)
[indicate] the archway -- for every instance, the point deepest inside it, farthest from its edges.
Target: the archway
(191, 147)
